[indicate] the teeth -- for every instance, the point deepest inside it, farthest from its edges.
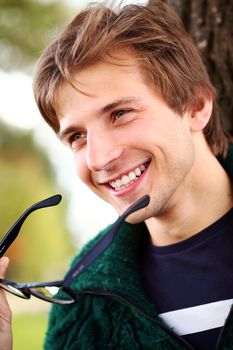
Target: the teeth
(142, 167)
(125, 180)
(138, 172)
(132, 175)
(118, 183)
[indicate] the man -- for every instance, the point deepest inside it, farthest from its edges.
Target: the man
(127, 91)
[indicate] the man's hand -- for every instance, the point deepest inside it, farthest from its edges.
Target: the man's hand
(5, 312)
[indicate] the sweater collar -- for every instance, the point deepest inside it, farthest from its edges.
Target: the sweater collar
(116, 270)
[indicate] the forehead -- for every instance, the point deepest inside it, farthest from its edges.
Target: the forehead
(104, 80)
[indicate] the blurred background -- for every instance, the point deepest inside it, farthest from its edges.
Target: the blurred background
(35, 165)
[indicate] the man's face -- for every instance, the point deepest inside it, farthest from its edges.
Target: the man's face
(125, 140)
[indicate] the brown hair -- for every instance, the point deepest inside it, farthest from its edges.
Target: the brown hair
(164, 49)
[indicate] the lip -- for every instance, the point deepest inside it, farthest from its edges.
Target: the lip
(131, 187)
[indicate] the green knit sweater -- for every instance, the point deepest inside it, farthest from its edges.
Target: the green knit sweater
(112, 311)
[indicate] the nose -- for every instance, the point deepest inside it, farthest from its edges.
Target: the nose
(103, 150)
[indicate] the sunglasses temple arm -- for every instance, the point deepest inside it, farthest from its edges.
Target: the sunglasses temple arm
(92, 254)
(104, 242)
(13, 232)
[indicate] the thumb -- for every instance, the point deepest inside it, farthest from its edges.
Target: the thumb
(5, 311)
(4, 262)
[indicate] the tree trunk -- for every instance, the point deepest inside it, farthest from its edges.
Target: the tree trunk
(210, 23)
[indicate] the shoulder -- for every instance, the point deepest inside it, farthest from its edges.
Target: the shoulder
(99, 322)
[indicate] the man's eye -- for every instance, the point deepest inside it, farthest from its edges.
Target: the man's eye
(118, 114)
(76, 138)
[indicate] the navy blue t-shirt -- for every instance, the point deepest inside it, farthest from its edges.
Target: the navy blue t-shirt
(191, 282)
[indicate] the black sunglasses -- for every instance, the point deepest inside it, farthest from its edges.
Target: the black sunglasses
(59, 291)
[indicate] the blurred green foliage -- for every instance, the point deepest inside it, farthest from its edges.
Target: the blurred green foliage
(29, 331)
(26, 27)
(43, 247)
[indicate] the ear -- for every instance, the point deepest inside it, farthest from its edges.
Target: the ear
(200, 114)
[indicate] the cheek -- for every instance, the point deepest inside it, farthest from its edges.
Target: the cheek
(81, 167)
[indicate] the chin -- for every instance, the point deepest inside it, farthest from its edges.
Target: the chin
(136, 218)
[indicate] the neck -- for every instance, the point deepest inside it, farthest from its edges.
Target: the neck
(206, 197)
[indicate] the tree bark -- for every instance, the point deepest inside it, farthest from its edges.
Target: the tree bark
(210, 23)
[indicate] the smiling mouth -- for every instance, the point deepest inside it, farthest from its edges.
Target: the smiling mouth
(128, 179)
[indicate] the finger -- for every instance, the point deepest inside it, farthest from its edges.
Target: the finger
(4, 261)
(5, 310)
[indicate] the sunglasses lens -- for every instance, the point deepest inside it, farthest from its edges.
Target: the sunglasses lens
(18, 292)
(52, 294)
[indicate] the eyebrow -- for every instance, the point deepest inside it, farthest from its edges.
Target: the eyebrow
(108, 108)
(65, 132)
(117, 103)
